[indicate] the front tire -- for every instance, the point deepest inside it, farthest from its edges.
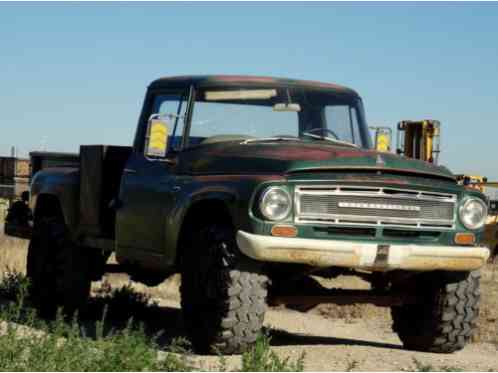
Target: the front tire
(223, 293)
(446, 318)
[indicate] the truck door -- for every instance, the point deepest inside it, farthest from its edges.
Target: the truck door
(148, 190)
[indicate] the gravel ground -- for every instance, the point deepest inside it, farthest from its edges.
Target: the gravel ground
(344, 338)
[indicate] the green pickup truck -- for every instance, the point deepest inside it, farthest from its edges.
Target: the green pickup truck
(255, 188)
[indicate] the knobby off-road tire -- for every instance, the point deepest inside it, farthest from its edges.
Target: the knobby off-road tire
(446, 320)
(223, 294)
(59, 271)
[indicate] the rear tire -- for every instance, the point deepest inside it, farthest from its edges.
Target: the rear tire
(446, 320)
(223, 293)
(59, 271)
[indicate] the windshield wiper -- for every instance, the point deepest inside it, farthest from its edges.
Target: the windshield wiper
(314, 136)
(270, 139)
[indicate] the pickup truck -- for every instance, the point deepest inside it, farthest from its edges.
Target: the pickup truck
(255, 188)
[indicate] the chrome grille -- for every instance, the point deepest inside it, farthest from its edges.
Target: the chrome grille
(336, 205)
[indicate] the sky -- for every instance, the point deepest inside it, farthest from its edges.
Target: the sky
(76, 73)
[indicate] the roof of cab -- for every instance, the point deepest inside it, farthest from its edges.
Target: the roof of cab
(248, 80)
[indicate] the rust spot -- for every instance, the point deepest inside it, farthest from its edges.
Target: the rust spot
(454, 264)
(290, 152)
(315, 258)
(317, 84)
(380, 180)
(244, 78)
(237, 177)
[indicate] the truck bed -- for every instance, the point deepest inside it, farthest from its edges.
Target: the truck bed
(101, 167)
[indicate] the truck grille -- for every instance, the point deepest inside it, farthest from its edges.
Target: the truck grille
(346, 205)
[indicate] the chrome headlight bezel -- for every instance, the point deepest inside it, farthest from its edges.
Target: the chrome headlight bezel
(264, 199)
(462, 210)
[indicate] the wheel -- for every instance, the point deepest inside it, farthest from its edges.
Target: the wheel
(58, 270)
(223, 294)
(446, 318)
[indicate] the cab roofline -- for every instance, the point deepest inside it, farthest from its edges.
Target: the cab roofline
(247, 80)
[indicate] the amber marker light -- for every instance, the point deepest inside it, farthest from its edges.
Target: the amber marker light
(465, 238)
(284, 231)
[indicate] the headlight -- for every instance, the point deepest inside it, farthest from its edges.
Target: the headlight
(473, 213)
(275, 203)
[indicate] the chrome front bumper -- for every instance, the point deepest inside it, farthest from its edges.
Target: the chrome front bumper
(350, 254)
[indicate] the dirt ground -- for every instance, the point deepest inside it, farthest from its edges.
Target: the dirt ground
(333, 338)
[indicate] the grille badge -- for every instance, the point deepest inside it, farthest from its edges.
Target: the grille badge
(378, 206)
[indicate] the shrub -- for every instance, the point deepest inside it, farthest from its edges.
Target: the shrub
(260, 358)
(28, 343)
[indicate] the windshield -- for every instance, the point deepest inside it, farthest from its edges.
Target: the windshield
(284, 114)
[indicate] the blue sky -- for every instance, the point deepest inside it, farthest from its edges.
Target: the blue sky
(76, 73)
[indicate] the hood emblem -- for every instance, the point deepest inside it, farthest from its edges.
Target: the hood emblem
(380, 161)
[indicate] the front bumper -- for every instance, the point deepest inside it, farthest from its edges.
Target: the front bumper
(350, 254)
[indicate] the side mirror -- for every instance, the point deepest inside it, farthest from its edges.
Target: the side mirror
(157, 138)
(383, 138)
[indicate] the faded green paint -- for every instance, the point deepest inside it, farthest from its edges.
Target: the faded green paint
(300, 156)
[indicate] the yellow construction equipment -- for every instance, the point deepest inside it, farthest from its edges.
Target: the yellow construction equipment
(419, 139)
(491, 231)
(473, 181)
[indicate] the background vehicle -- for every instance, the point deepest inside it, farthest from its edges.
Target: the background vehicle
(248, 187)
(419, 139)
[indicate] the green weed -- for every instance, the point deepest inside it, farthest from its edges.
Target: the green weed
(28, 343)
(260, 358)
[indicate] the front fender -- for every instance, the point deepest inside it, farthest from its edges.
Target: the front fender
(186, 202)
(233, 191)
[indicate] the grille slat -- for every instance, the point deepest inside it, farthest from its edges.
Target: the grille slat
(374, 206)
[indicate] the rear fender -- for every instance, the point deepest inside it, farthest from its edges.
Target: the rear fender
(57, 191)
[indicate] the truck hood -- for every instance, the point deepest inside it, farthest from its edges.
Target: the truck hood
(299, 156)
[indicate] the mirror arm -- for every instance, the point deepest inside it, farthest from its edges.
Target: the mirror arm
(170, 161)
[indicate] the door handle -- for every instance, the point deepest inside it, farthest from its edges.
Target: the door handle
(130, 171)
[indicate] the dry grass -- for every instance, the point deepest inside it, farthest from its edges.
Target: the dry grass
(12, 252)
(488, 319)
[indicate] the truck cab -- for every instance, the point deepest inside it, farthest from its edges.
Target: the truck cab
(248, 187)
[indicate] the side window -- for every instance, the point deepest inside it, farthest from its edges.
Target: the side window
(343, 121)
(172, 110)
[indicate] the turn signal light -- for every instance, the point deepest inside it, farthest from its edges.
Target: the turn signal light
(465, 238)
(284, 231)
